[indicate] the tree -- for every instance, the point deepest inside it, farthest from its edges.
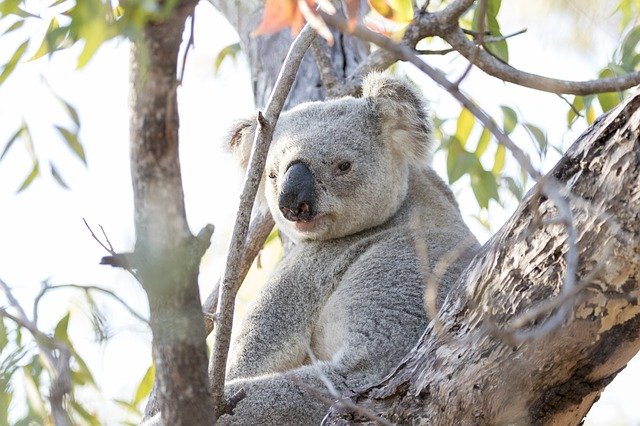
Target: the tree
(564, 379)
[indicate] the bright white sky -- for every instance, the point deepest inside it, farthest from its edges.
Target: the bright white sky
(41, 231)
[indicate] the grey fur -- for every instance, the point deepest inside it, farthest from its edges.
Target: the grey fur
(352, 287)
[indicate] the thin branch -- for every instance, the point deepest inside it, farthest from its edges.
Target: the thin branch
(434, 52)
(259, 229)
(58, 365)
(231, 280)
(496, 68)
(573, 108)
(482, 13)
(118, 260)
(86, 289)
(108, 249)
(339, 398)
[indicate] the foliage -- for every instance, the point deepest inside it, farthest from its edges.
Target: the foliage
(87, 23)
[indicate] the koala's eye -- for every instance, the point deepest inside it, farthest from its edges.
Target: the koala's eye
(272, 175)
(344, 166)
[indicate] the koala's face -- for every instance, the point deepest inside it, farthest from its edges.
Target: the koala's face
(330, 173)
(338, 167)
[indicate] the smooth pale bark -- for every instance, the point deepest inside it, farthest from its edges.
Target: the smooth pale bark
(463, 372)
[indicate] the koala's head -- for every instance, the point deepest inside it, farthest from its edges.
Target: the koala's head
(338, 167)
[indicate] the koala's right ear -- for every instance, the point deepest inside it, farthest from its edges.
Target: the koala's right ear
(402, 113)
(240, 140)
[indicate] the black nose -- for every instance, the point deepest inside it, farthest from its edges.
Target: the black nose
(297, 195)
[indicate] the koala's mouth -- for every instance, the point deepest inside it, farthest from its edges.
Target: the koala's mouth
(309, 225)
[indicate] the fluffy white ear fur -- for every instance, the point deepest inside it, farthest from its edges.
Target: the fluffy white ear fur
(403, 116)
(239, 142)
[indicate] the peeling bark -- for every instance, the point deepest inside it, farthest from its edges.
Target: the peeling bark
(464, 371)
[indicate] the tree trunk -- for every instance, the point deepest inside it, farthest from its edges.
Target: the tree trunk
(266, 54)
(167, 256)
(467, 369)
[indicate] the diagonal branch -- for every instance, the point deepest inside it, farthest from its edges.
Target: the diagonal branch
(231, 279)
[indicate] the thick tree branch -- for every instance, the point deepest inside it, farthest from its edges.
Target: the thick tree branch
(468, 373)
(231, 279)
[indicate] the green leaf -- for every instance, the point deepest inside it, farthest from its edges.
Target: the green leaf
(11, 141)
(61, 331)
(578, 105)
(464, 125)
(403, 10)
(484, 187)
(591, 115)
(509, 119)
(145, 386)
(56, 175)
(483, 143)
(4, 336)
(498, 162)
(35, 171)
(8, 7)
(53, 38)
(73, 142)
(73, 113)
(13, 62)
(231, 51)
(539, 136)
(628, 48)
(16, 25)
(34, 396)
(459, 161)
(84, 414)
(127, 406)
(608, 100)
(514, 188)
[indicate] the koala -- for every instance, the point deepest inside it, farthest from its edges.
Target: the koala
(349, 181)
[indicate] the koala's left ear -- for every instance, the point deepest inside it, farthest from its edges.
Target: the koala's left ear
(240, 140)
(403, 115)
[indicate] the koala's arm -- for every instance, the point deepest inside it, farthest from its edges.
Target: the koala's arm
(277, 328)
(379, 317)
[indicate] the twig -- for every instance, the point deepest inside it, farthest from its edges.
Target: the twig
(231, 281)
(482, 15)
(339, 398)
(573, 108)
(119, 260)
(58, 366)
(109, 250)
(86, 289)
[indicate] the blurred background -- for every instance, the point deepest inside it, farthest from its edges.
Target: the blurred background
(43, 237)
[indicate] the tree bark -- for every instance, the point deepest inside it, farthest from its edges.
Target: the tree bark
(466, 368)
(266, 54)
(167, 255)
